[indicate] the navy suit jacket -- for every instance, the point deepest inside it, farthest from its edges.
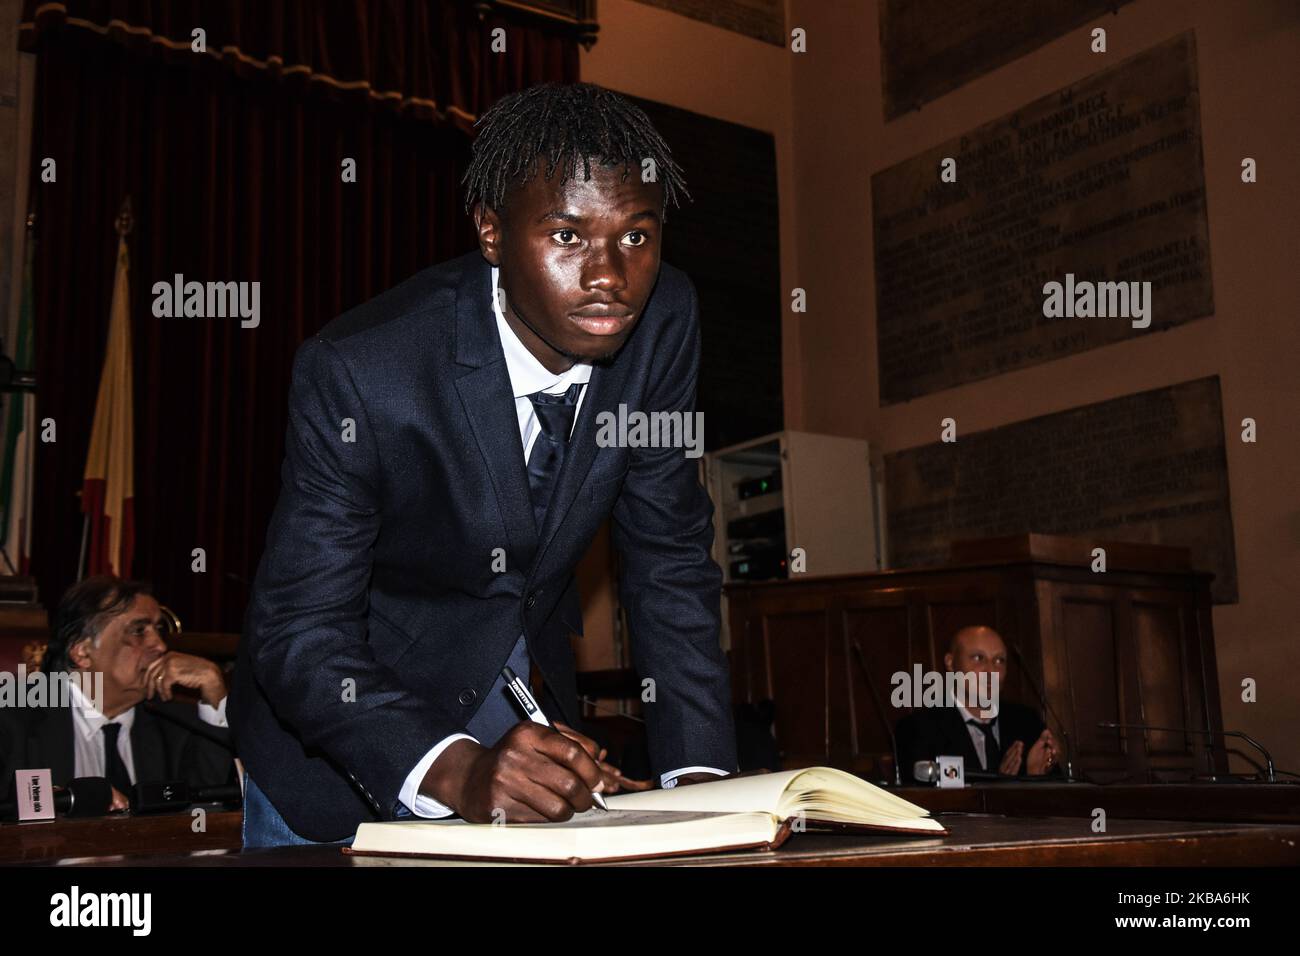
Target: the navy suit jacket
(378, 623)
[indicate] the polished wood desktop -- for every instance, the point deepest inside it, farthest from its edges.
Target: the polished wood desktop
(1008, 824)
(973, 840)
(120, 833)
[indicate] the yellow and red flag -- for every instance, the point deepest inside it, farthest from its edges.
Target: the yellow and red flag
(108, 491)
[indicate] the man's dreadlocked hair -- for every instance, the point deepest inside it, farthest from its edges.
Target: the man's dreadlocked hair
(564, 123)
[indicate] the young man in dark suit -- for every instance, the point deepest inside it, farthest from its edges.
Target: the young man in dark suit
(443, 477)
(1010, 740)
(138, 730)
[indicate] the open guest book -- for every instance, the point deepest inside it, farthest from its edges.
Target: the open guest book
(734, 813)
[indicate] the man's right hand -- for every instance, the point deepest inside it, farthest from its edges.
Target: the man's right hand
(534, 774)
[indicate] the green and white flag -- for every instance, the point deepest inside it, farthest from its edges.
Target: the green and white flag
(20, 443)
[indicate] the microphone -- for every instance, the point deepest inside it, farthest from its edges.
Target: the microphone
(927, 771)
(1269, 771)
(1042, 697)
(82, 797)
(880, 711)
(168, 795)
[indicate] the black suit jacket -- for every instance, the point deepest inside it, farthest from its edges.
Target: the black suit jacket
(162, 749)
(377, 622)
(940, 731)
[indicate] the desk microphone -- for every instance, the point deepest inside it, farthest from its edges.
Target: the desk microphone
(1042, 697)
(927, 771)
(170, 795)
(82, 797)
(1269, 771)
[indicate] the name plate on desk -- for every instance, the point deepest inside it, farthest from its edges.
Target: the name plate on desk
(35, 795)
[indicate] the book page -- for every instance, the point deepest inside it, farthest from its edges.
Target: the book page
(762, 791)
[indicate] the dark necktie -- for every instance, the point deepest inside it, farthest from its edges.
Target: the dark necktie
(555, 420)
(114, 768)
(555, 413)
(992, 752)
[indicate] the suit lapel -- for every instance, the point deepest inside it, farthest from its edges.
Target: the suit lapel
(53, 741)
(148, 750)
(488, 399)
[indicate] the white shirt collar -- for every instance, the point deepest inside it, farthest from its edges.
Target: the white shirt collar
(967, 716)
(527, 375)
(88, 720)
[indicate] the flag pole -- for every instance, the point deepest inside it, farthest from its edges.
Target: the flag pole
(123, 225)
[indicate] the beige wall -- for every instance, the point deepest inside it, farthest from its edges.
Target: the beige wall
(824, 109)
(660, 56)
(1246, 52)
(691, 65)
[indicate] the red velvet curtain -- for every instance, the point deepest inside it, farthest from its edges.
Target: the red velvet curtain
(234, 172)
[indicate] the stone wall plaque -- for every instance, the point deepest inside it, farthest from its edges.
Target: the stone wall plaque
(931, 47)
(1149, 467)
(760, 19)
(1102, 180)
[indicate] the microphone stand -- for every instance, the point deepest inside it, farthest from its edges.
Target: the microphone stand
(1270, 771)
(880, 710)
(1042, 697)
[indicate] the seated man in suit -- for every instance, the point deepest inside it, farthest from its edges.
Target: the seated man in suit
(1009, 739)
(134, 731)
(448, 464)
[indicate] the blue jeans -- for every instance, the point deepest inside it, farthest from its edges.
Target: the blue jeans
(263, 825)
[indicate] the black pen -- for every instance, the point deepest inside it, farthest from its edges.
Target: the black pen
(534, 713)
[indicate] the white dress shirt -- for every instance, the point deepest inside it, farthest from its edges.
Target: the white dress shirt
(527, 376)
(88, 741)
(977, 735)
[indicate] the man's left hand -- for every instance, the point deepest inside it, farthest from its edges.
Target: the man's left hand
(614, 779)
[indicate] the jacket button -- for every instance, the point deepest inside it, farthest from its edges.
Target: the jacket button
(532, 599)
(468, 696)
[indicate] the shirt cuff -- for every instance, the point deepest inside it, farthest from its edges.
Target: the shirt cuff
(669, 780)
(216, 716)
(410, 795)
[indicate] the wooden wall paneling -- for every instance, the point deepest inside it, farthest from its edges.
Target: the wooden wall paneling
(879, 625)
(1164, 699)
(1203, 665)
(1083, 619)
(796, 642)
(1133, 645)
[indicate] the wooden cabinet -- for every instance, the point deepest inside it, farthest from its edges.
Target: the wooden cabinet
(1131, 645)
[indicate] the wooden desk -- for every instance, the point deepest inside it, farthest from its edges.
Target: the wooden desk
(120, 834)
(1205, 802)
(159, 836)
(974, 840)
